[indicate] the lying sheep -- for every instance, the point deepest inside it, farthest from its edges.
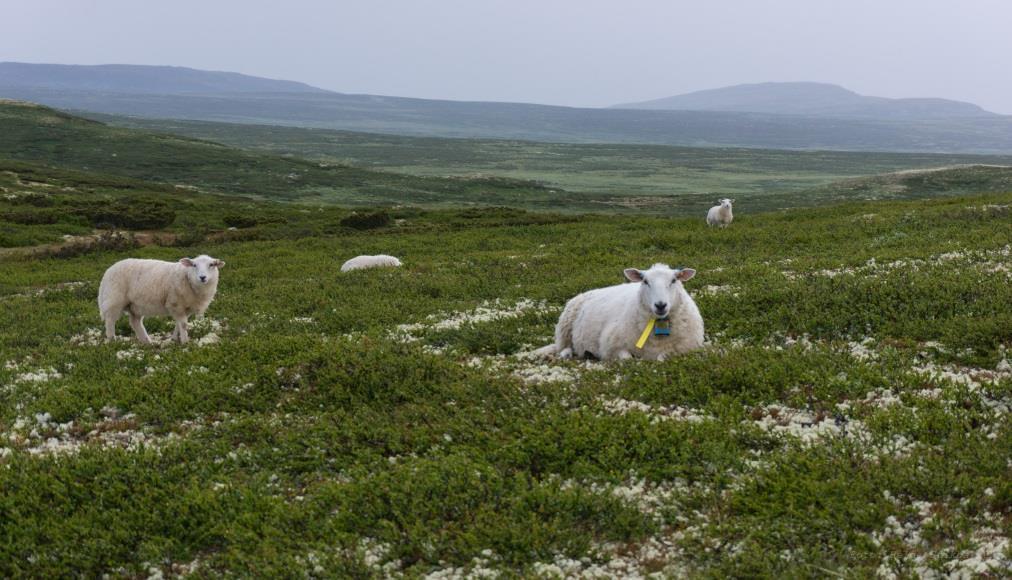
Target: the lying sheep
(720, 215)
(156, 288)
(361, 262)
(608, 323)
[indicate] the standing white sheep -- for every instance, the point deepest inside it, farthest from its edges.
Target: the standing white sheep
(652, 318)
(361, 262)
(156, 288)
(720, 215)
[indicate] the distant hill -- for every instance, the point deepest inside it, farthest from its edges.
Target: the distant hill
(816, 99)
(405, 116)
(125, 78)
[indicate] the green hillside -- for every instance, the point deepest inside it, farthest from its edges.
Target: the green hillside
(39, 134)
(618, 177)
(848, 417)
(855, 392)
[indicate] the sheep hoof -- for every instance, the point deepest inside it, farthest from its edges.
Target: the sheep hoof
(566, 353)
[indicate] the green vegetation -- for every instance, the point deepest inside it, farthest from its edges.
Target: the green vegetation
(615, 178)
(305, 431)
(38, 134)
(849, 416)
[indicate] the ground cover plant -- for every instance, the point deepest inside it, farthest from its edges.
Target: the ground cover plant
(620, 177)
(850, 415)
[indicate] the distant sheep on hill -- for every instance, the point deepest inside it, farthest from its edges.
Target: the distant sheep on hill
(720, 215)
(652, 318)
(156, 288)
(378, 261)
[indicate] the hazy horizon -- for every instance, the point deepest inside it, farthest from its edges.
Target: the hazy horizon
(586, 54)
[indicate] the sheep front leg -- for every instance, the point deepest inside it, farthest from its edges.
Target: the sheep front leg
(180, 331)
(137, 323)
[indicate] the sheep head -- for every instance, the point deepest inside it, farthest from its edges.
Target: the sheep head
(660, 287)
(202, 270)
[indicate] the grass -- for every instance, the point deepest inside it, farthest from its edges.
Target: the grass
(847, 418)
(613, 177)
(36, 134)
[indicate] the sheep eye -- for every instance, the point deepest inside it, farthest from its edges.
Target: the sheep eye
(645, 282)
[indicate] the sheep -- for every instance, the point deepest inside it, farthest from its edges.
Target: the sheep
(608, 323)
(157, 288)
(361, 262)
(720, 214)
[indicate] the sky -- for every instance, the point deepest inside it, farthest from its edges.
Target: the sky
(587, 53)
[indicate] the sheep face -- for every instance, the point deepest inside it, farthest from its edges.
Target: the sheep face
(726, 203)
(659, 288)
(202, 270)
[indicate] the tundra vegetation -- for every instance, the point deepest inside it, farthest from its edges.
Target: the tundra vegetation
(848, 416)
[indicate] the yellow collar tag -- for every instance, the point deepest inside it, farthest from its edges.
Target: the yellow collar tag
(646, 333)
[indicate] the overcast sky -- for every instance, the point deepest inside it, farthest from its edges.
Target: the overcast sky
(565, 52)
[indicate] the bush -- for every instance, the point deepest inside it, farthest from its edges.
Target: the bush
(108, 241)
(31, 218)
(234, 220)
(135, 214)
(36, 199)
(366, 221)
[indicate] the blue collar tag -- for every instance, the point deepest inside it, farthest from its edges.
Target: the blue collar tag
(662, 327)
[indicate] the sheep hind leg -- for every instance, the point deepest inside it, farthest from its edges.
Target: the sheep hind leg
(110, 326)
(137, 323)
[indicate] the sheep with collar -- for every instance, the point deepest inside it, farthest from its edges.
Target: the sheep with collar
(651, 318)
(720, 214)
(157, 288)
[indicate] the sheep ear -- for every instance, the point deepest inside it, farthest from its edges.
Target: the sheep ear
(219, 263)
(186, 262)
(633, 275)
(685, 274)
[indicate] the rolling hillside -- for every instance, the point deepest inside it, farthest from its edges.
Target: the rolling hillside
(613, 177)
(39, 134)
(969, 134)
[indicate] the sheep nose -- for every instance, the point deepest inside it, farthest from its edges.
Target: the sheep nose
(203, 278)
(660, 306)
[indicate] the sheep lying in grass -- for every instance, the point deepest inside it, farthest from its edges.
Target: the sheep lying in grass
(156, 288)
(720, 214)
(361, 262)
(610, 323)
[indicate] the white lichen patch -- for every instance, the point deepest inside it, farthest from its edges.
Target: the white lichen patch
(658, 413)
(488, 311)
(43, 375)
(809, 428)
(208, 328)
(44, 290)
(971, 377)
(661, 556)
(481, 566)
(714, 290)
(532, 369)
(992, 261)
(982, 554)
(40, 435)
